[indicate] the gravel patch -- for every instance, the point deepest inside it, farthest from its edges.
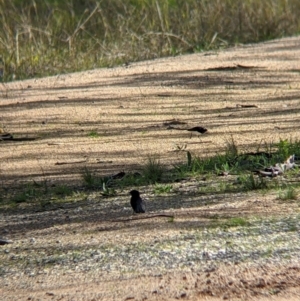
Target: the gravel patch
(261, 241)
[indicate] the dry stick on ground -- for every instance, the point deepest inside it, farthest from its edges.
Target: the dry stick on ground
(147, 217)
(246, 106)
(8, 137)
(71, 162)
(198, 129)
(4, 241)
(56, 143)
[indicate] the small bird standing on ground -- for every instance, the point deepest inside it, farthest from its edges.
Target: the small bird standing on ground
(137, 204)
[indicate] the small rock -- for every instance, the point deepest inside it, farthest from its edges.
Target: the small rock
(49, 294)
(183, 295)
(261, 283)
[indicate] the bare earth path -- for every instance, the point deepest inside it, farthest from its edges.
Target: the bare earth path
(110, 120)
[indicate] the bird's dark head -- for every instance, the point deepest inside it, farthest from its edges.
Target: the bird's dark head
(135, 193)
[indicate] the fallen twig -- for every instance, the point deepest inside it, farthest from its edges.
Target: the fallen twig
(4, 242)
(55, 143)
(70, 162)
(144, 217)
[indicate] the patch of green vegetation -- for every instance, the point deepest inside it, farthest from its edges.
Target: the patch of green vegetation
(37, 193)
(288, 193)
(231, 148)
(62, 190)
(231, 223)
(284, 149)
(237, 222)
(131, 179)
(21, 197)
(251, 182)
(224, 169)
(25, 194)
(162, 188)
(104, 184)
(88, 177)
(171, 219)
(93, 134)
(91, 180)
(205, 170)
(153, 170)
(218, 163)
(207, 189)
(219, 222)
(107, 191)
(274, 291)
(232, 161)
(44, 135)
(224, 187)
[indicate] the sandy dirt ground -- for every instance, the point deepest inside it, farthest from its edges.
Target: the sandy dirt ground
(112, 120)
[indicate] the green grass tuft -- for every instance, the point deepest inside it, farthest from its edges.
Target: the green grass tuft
(62, 190)
(251, 182)
(153, 170)
(161, 189)
(236, 222)
(91, 180)
(288, 194)
(93, 134)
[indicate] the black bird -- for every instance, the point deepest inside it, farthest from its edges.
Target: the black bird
(119, 175)
(137, 204)
(198, 129)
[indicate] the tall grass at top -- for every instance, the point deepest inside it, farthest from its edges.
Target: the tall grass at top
(47, 37)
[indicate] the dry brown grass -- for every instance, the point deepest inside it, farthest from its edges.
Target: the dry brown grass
(46, 37)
